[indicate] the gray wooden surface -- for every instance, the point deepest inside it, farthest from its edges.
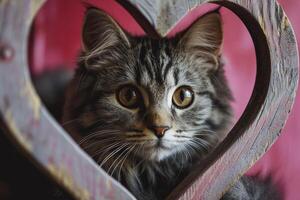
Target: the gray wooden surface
(44, 141)
(29, 124)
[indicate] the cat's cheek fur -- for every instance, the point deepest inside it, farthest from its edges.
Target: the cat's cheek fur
(170, 145)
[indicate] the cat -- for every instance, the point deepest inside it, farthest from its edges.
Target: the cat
(147, 110)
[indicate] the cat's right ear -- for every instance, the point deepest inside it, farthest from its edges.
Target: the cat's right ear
(100, 32)
(205, 34)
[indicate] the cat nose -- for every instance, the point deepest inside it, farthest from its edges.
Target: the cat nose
(159, 131)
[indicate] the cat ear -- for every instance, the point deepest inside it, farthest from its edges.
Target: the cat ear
(100, 31)
(204, 35)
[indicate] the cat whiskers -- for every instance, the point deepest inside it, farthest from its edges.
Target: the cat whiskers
(99, 134)
(111, 154)
(114, 152)
(117, 160)
(105, 149)
(69, 122)
(200, 129)
(195, 145)
(188, 155)
(122, 161)
(97, 140)
(100, 143)
(140, 148)
(198, 143)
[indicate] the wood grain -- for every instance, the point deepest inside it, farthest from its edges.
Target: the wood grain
(28, 123)
(269, 105)
(34, 131)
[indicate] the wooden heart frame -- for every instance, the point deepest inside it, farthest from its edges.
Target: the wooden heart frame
(28, 124)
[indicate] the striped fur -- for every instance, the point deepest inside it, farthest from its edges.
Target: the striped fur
(118, 138)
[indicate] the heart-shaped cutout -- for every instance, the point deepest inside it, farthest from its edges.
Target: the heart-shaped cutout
(29, 124)
(74, 120)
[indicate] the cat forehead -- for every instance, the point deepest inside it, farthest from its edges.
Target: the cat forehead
(155, 55)
(157, 62)
(155, 65)
(160, 63)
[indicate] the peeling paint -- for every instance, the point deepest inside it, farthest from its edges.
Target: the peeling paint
(65, 178)
(285, 23)
(108, 184)
(262, 23)
(21, 139)
(35, 5)
(33, 99)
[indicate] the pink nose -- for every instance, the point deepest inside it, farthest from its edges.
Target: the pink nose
(159, 131)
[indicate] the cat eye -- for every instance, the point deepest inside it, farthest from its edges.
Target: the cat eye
(183, 97)
(129, 96)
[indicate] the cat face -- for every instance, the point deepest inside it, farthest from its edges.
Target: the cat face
(150, 99)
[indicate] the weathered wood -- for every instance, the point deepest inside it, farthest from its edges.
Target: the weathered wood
(27, 121)
(270, 103)
(33, 129)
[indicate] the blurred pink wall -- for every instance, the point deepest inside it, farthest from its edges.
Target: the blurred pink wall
(56, 43)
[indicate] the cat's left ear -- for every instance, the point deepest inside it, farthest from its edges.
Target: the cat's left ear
(204, 35)
(100, 32)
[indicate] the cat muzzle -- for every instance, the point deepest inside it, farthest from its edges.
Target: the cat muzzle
(159, 131)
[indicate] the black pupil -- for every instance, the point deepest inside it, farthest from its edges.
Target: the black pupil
(129, 94)
(182, 94)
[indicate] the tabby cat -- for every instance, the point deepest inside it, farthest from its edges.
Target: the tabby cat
(147, 110)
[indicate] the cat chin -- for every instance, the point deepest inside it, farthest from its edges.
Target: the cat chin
(157, 154)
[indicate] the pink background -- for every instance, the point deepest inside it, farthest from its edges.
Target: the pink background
(56, 43)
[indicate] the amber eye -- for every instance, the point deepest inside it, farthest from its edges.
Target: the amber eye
(183, 97)
(129, 96)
